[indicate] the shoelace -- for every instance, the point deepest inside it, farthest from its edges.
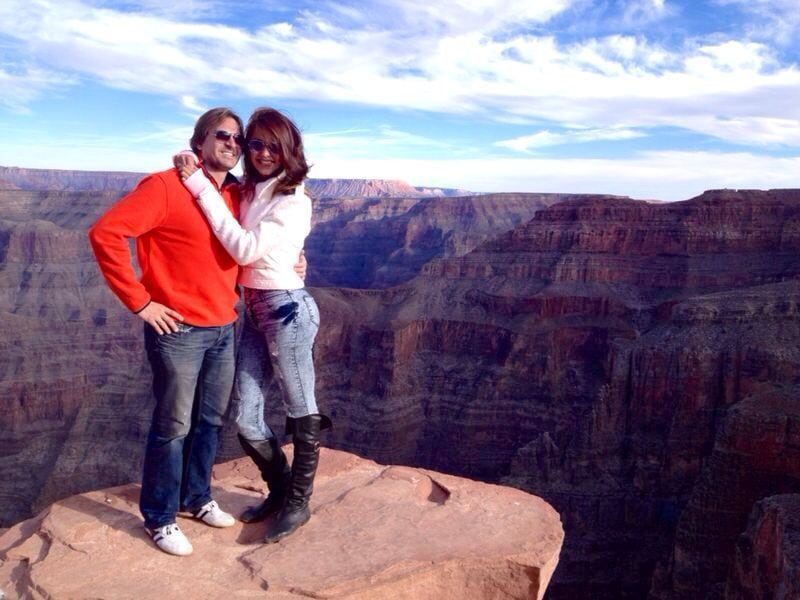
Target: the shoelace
(206, 509)
(165, 531)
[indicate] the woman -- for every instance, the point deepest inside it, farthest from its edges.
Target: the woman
(274, 222)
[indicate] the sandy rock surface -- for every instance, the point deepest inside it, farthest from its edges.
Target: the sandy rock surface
(376, 532)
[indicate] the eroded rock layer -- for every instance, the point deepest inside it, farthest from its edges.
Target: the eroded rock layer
(593, 356)
(768, 553)
(375, 243)
(74, 396)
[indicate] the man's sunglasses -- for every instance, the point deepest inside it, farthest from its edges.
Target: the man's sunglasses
(224, 136)
(259, 146)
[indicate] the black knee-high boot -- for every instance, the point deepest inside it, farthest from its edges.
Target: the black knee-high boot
(271, 461)
(295, 511)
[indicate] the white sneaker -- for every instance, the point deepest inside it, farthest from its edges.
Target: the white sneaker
(212, 514)
(171, 540)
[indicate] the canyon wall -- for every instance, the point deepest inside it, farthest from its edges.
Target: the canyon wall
(595, 356)
(371, 243)
(74, 384)
(635, 364)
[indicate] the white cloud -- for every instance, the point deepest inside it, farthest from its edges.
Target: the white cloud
(638, 13)
(774, 20)
(545, 138)
(750, 131)
(366, 142)
(27, 85)
(453, 57)
(193, 105)
(441, 18)
(652, 175)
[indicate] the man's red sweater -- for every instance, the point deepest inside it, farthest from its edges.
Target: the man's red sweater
(183, 264)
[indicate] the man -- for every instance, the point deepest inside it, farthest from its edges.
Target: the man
(186, 297)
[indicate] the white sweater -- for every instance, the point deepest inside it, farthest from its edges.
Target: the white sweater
(270, 237)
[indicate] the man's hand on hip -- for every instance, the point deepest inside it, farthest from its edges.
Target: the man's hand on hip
(161, 318)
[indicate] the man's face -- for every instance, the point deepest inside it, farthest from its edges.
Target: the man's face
(221, 154)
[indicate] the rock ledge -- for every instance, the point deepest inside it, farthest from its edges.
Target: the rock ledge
(377, 532)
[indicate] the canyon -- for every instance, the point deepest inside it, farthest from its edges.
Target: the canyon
(635, 364)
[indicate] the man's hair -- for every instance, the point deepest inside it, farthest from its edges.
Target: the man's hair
(290, 142)
(208, 120)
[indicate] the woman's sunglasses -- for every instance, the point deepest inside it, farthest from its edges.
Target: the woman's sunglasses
(259, 146)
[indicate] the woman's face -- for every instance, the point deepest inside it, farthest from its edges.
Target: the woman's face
(265, 152)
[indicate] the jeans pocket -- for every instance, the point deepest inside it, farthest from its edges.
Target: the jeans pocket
(313, 310)
(170, 338)
(184, 328)
(285, 313)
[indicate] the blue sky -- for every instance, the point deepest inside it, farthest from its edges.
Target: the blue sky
(648, 98)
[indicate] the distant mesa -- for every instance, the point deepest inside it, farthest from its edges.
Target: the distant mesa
(89, 181)
(376, 188)
(69, 181)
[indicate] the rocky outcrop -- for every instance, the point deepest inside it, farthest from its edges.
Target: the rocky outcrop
(376, 532)
(768, 553)
(641, 252)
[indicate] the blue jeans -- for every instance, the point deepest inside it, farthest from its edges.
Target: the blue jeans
(193, 372)
(277, 340)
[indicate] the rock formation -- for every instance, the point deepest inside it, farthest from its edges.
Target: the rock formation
(768, 553)
(376, 532)
(616, 357)
(590, 356)
(75, 386)
(375, 243)
(69, 396)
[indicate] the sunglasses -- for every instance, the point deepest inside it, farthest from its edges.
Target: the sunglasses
(259, 146)
(224, 136)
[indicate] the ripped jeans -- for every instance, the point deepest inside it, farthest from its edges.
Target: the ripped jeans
(277, 339)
